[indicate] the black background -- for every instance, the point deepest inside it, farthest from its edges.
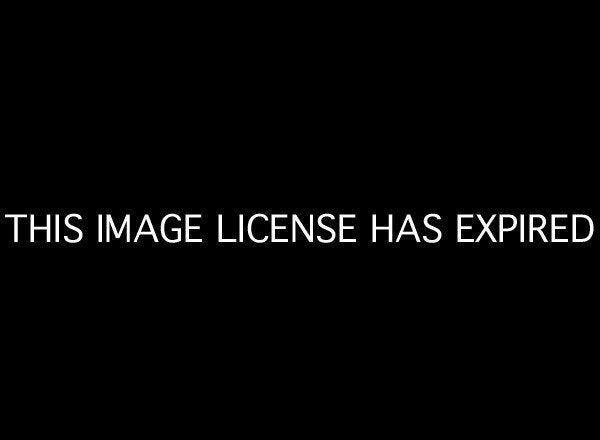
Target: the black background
(386, 112)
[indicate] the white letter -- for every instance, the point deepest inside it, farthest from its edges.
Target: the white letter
(296, 222)
(250, 233)
(408, 220)
(590, 221)
(34, 228)
(461, 228)
(555, 227)
(382, 228)
(433, 228)
(343, 228)
(189, 227)
(503, 229)
(163, 229)
(327, 228)
(486, 228)
(221, 239)
(15, 218)
(150, 231)
(537, 229)
(125, 227)
(73, 228)
(275, 228)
